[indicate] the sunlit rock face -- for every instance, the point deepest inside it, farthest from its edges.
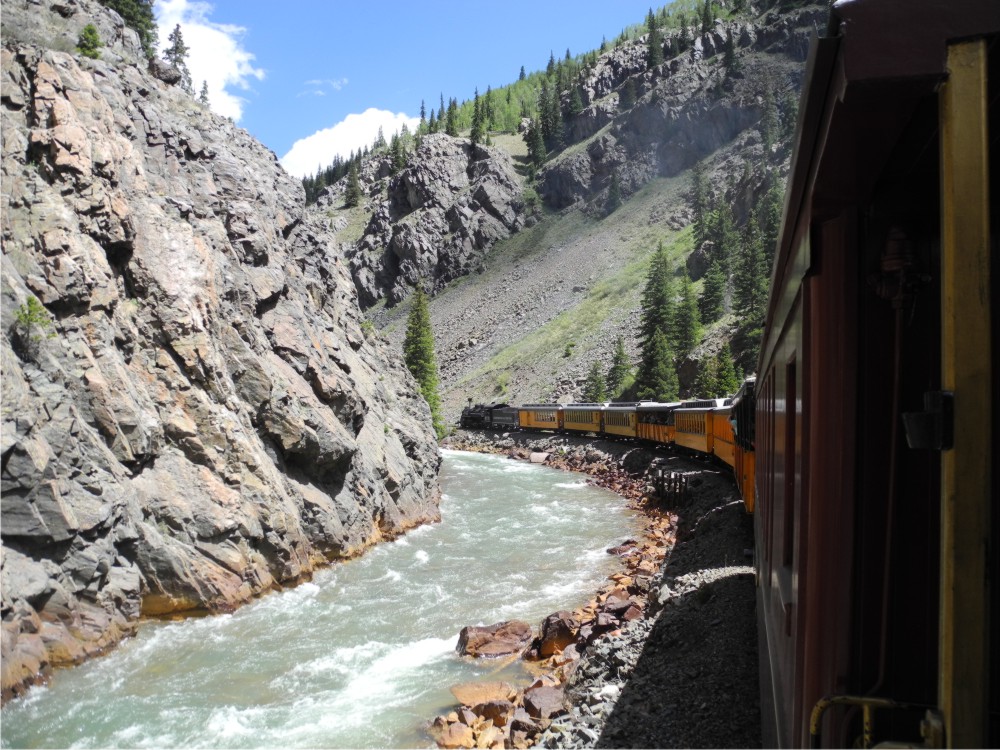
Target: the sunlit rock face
(204, 417)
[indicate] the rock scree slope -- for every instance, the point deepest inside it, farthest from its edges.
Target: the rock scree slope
(204, 418)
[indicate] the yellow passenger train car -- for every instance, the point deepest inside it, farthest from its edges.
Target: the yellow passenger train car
(655, 421)
(723, 441)
(583, 417)
(620, 419)
(541, 416)
(742, 418)
(693, 424)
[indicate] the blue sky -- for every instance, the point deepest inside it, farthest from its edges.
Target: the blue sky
(311, 78)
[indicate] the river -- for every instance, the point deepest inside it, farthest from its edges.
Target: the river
(363, 654)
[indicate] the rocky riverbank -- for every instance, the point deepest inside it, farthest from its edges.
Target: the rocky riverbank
(665, 654)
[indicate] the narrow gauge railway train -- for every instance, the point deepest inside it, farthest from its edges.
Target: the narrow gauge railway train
(705, 425)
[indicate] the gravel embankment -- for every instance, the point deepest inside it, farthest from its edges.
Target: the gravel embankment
(686, 673)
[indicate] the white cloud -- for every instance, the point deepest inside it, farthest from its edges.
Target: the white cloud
(216, 54)
(350, 134)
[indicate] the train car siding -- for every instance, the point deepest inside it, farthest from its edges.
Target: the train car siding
(582, 417)
(693, 429)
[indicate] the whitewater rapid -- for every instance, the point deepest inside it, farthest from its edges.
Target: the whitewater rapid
(362, 655)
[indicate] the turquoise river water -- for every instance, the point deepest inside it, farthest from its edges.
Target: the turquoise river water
(362, 655)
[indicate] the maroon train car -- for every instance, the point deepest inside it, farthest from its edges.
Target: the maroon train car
(877, 404)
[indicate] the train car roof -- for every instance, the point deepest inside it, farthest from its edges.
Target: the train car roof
(585, 405)
(622, 406)
(704, 403)
(540, 406)
(658, 406)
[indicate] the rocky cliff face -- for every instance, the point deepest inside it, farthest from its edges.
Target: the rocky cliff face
(433, 221)
(205, 417)
(686, 108)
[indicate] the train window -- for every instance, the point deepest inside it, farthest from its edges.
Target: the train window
(790, 453)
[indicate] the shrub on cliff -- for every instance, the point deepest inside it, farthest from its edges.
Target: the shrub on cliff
(33, 325)
(89, 43)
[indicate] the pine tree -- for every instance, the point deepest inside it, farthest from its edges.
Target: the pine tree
(789, 114)
(352, 194)
(552, 123)
(476, 135)
(685, 319)
(575, 102)
(654, 53)
(750, 278)
(619, 370)
(138, 15)
(659, 378)
(521, 76)
(723, 233)
(684, 37)
(770, 219)
(397, 153)
(489, 112)
(657, 303)
(706, 384)
(203, 96)
(594, 389)
(551, 67)
(418, 352)
(176, 54)
(713, 294)
(699, 203)
(451, 124)
(728, 380)
(707, 20)
(614, 199)
(729, 60)
(536, 144)
(655, 322)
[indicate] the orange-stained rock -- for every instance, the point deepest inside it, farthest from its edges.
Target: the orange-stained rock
(456, 735)
(497, 711)
(474, 693)
(558, 631)
(501, 639)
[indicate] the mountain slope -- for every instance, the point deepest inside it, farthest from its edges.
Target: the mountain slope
(545, 302)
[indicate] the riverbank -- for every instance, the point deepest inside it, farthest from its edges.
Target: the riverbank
(680, 672)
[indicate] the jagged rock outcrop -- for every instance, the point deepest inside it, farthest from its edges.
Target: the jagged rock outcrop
(434, 220)
(686, 108)
(205, 417)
